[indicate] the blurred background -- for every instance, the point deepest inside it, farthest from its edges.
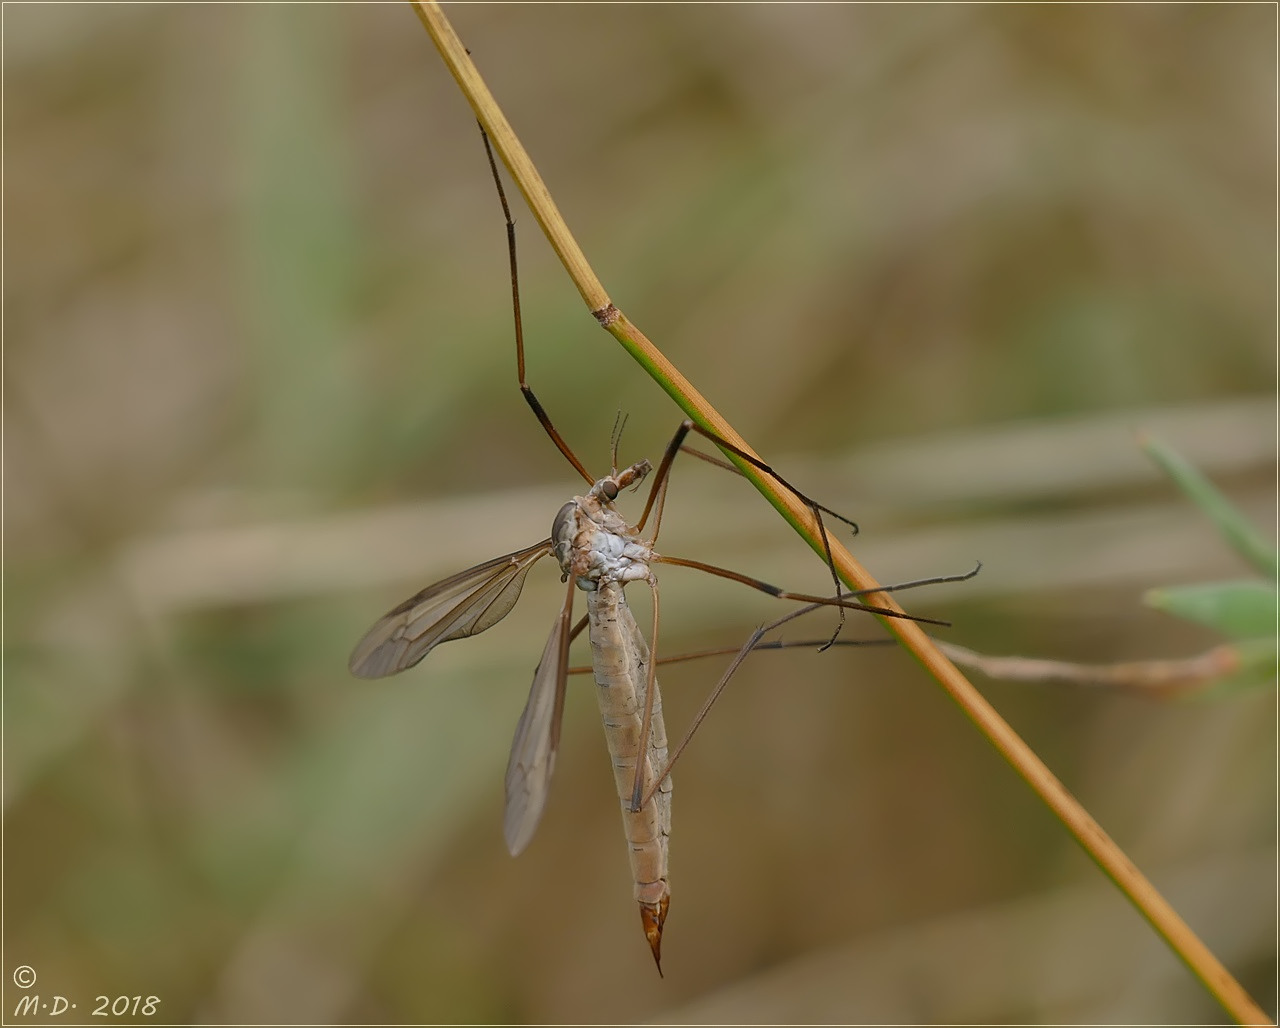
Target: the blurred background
(936, 263)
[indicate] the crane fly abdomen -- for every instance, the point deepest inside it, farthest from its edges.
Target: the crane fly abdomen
(620, 658)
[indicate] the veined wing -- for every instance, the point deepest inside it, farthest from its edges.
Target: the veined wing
(462, 605)
(533, 753)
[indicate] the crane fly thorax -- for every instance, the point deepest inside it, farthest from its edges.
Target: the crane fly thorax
(593, 542)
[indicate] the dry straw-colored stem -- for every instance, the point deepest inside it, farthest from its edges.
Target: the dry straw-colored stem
(1087, 831)
(1163, 678)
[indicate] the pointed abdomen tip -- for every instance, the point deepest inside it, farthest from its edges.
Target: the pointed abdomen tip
(653, 916)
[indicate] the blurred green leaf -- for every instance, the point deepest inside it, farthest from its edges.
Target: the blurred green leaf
(1242, 536)
(300, 239)
(1243, 609)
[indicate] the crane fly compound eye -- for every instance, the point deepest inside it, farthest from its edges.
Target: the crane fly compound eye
(609, 489)
(563, 529)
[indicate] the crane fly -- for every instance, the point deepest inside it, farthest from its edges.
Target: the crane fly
(599, 553)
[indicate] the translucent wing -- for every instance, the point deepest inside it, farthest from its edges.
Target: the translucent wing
(462, 605)
(533, 753)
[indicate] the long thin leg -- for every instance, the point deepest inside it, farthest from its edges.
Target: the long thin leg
(760, 465)
(650, 687)
(754, 643)
(532, 400)
(841, 599)
(729, 651)
(746, 649)
(658, 485)
(795, 644)
(776, 644)
(816, 507)
(658, 489)
(813, 505)
(723, 651)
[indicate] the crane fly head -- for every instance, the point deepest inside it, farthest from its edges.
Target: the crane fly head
(609, 486)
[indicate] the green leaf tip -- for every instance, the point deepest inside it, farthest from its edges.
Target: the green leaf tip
(1230, 522)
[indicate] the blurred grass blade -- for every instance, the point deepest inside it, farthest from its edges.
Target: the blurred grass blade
(1242, 536)
(1244, 609)
(298, 237)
